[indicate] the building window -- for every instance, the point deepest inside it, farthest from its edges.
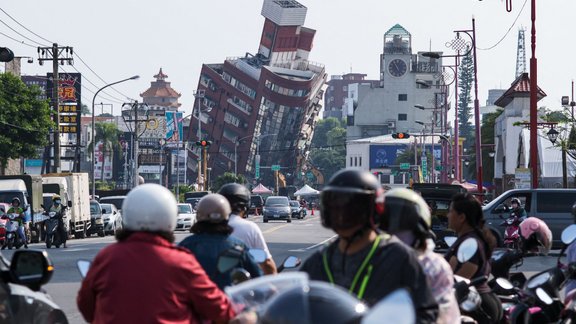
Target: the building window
(350, 161)
(402, 97)
(360, 161)
(402, 117)
(345, 88)
(355, 161)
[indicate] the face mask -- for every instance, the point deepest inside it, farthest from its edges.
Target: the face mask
(57, 202)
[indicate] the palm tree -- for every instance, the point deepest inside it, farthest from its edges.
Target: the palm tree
(107, 133)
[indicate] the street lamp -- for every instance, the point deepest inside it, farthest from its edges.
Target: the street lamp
(459, 45)
(94, 130)
(236, 143)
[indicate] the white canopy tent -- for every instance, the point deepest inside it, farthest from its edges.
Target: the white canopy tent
(306, 191)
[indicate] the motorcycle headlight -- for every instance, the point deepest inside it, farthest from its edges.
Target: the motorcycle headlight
(472, 301)
(99, 221)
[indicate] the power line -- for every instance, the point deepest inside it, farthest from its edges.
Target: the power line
(25, 27)
(20, 127)
(18, 41)
(507, 32)
(101, 79)
(92, 83)
(17, 32)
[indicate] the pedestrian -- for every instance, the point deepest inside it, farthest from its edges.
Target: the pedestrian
(144, 277)
(407, 216)
(246, 231)
(465, 217)
(368, 264)
(212, 239)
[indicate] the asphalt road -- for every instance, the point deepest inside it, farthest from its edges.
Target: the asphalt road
(299, 238)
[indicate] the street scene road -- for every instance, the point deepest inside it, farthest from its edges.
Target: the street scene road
(299, 238)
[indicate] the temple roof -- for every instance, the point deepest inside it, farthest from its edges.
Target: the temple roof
(520, 88)
(160, 88)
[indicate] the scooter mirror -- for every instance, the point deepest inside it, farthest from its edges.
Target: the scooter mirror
(83, 267)
(543, 296)
(467, 250)
(450, 240)
(259, 255)
(395, 308)
(504, 283)
(569, 234)
(240, 275)
(291, 262)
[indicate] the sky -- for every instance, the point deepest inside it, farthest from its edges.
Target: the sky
(121, 38)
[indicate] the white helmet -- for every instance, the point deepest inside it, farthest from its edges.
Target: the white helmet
(213, 208)
(149, 208)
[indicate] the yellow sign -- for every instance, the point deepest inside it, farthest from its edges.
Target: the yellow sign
(71, 129)
(68, 108)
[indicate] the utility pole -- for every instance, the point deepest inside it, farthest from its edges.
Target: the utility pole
(56, 54)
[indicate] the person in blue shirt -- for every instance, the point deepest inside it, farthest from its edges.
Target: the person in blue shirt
(212, 238)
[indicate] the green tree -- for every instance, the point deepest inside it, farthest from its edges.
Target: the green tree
(466, 79)
(487, 130)
(24, 120)
(320, 138)
(227, 177)
(107, 134)
(85, 110)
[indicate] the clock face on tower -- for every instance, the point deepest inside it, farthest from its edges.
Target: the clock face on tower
(397, 67)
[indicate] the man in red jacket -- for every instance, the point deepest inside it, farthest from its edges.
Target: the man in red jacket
(144, 278)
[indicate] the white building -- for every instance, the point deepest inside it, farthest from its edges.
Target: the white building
(389, 107)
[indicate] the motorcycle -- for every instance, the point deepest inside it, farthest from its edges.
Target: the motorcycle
(52, 233)
(512, 232)
(12, 237)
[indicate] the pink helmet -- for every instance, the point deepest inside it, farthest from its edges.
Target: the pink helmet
(535, 233)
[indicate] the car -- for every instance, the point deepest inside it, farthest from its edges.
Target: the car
(96, 221)
(256, 203)
(21, 283)
(186, 217)
(553, 206)
(297, 210)
(115, 200)
(193, 202)
(277, 208)
(112, 218)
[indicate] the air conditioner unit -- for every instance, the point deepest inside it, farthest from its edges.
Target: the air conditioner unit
(391, 124)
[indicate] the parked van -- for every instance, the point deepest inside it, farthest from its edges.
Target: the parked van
(553, 206)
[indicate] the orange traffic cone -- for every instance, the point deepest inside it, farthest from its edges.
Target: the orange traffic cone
(312, 211)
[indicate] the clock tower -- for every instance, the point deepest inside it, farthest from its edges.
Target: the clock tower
(395, 59)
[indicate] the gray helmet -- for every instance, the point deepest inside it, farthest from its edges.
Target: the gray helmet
(238, 196)
(213, 208)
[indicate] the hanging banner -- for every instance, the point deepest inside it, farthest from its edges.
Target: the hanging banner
(173, 126)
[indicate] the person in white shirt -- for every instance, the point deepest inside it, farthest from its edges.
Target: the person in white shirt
(248, 232)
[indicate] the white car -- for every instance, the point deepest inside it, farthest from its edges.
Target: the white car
(112, 218)
(186, 217)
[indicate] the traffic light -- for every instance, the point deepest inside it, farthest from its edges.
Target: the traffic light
(6, 55)
(400, 135)
(204, 143)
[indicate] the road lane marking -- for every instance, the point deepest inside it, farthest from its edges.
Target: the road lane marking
(313, 246)
(274, 229)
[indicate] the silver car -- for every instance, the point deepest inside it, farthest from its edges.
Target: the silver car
(112, 218)
(186, 217)
(277, 208)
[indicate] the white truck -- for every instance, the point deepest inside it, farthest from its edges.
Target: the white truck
(73, 189)
(28, 188)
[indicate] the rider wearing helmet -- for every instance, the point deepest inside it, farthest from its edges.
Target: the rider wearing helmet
(212, 238)
(58, 208)
(360, 260)
(407, 216)
(517, 210)
(17, 209)
(248, 232)
(153, 280)
(536, 236)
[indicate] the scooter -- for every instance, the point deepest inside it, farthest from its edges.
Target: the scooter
(512, 232)
(12, 237)
(52, 233)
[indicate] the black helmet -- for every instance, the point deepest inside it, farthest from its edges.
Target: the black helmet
(405, 210)
(238, 196)
(16, 199)
(352, 197)
(317, 302)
